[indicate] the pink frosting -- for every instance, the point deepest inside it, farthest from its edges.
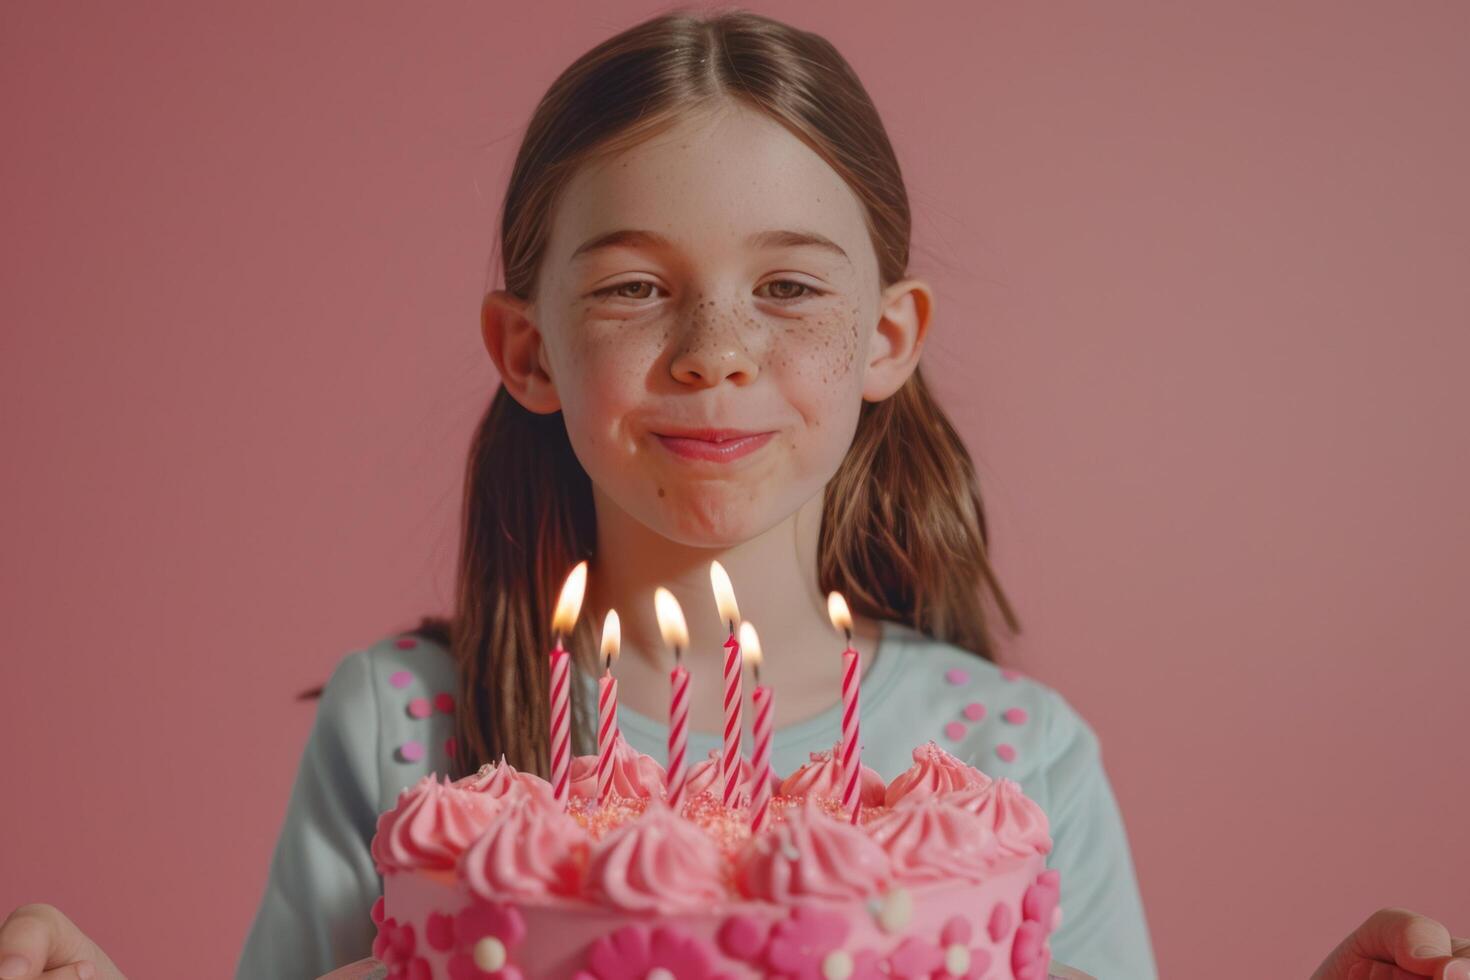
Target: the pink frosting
(705, 776)
(932, 840)
(812, 856)
(1020, 825)
(530, 851)
(635, 776)
(500, 779)
(430, 827)
(823, 777)
(657, 863)
(934, 771)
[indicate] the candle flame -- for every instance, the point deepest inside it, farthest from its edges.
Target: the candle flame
(670, 619)
(837, 612)
(569, 603)
(750, 645)
(611, 638)
(724, 594)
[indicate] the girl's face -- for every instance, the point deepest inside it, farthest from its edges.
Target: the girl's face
(717, 277)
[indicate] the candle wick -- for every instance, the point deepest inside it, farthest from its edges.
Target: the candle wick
(848, 634)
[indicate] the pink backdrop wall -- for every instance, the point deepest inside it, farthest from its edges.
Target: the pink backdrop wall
(1203, 311)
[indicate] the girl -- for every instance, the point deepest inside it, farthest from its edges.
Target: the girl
(709, 347)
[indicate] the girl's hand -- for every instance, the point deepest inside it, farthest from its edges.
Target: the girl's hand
(37, 941)
(1396, 944)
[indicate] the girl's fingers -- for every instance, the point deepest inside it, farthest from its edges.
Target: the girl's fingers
(35, 937)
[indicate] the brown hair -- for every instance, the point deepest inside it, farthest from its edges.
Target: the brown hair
(903, 532)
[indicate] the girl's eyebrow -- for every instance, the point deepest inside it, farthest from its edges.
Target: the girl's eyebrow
(773, 238)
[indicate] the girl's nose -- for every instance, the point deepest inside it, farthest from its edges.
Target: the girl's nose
(708, 355)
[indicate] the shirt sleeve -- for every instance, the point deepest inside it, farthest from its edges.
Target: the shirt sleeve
(1103, 930)
(315, 914)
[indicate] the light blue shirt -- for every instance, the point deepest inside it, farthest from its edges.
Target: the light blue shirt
(314, 915)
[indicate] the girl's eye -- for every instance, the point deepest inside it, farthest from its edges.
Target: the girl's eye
(788, 295)
(609, 290)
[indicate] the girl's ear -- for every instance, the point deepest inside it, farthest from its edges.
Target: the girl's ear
(515, 345)
(906, 309)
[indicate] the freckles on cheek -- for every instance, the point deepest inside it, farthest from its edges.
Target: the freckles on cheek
(822, 348)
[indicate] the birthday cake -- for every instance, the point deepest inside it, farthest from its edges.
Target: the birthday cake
(942, 874)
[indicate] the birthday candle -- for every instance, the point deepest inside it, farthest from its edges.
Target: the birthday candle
(568, 604)
(607, 706)
(760, 763)
(734, 668)
(851, 748)
(676, 634)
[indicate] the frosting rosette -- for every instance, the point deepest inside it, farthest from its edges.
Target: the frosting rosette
(529, 852)
(656, 863)
(811, 856)
(704, 777)
(497, 780)
(430, 827)
(1017, 821)
(822, 776)
(635, 776)
(934, 771)
(932, 840)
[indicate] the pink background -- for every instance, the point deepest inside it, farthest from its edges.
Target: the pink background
(1203, 311)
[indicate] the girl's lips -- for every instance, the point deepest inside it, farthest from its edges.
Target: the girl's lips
(717, 452)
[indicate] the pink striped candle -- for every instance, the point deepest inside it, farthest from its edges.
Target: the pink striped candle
(851, 745)
(734, 670)
(760, 698)
(678, 732)
(561, 730)
(607, 707)
(676, 634)
(568, 605)
(730, 758)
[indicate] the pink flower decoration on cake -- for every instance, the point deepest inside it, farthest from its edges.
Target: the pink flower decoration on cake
(634, 952)
(485, 920)
(1042, 898)
(1028, 953)
(822, 776)
(394, 948)
(934, 771)
(974, 960)
(802, 942)
(1002, 921)
(915, 958)
(742, 937)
